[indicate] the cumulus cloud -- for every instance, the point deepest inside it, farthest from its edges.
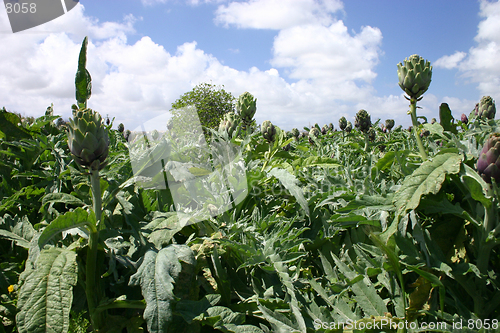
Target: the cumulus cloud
(273, 14)
(481, 64)
(318, 72)
(450, 61)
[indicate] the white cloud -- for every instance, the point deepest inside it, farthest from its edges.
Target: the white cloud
(275, 14)
(332, 71)
(328, 53)
(482, 63)
(451, 61)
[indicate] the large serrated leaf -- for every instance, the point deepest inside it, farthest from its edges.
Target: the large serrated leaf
(290, 183)
(73, 219)
(46, 295)
(156, 276)
(426, 179)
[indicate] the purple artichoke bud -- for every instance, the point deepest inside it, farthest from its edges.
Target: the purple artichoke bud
(464, 118)
(488, 163)
(324, 129)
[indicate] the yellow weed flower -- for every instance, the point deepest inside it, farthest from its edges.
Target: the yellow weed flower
(11, 288)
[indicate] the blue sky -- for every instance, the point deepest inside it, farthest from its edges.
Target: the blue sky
(305, 61)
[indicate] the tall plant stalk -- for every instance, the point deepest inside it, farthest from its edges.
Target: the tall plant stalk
(413, 113)
(93, 285)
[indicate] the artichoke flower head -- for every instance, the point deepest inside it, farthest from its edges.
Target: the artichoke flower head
(268, 131)
(488, 163)
(363, 121)
(342, 123)
(88, 140)
(246, 106)
(415, 76)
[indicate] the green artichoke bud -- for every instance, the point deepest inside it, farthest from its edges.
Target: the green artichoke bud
(488, 163)
(228, 124)
(433, 121)
(363, 121)
(330, 126)
(246, 106)
(324, 129)
(88, 140)
(314, 132)
(371, 134)
(389, 124)
(486, 108)
(348, 127)
(268, 131)
(127, 134)
(415, 76)
(121, 127)
(342, 123)
(295, 133)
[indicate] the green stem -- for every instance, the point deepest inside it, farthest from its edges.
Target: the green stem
(366, 142)
(413, 113)
(93, 287)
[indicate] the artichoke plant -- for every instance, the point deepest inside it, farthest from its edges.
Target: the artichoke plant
(228, 124)
(314, 132)
(485, 109)
(268, 131)
(348, 127)
(389, 124)
(342, 123)
(488, 163)
(415, 76)
(246, 106)
(371, 134)
(88, 140)
(363, 121)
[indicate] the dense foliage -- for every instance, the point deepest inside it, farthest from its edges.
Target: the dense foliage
(336, 227)
(212, 103)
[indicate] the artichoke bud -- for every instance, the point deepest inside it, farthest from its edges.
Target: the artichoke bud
(464, 118)
(486, 109)
(415, 76)
(228, 124)
(88, 140)
(371, 134)
(389, 124)
(363, 121)
(295, 133)
(330, 126)
(268, 131)
(246, 106)
(488, 163)
(324, 129)
(342, 123)
(121, 127)
(314, 132)
(348, 127)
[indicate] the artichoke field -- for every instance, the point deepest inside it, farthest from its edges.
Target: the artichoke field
(338, 231)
